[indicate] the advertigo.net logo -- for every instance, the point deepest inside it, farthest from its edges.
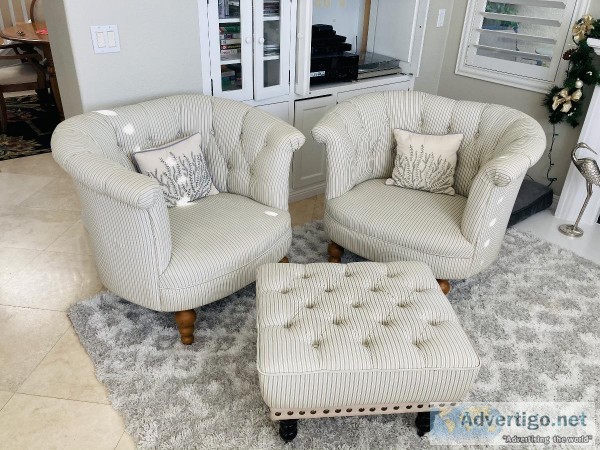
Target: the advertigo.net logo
(520, 423)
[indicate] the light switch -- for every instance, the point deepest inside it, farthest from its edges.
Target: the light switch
(101, 39)
(112, 40)
(441, 18)
(106, 38)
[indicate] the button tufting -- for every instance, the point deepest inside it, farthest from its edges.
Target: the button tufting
(385, 323)
(306, 276)
(212, 131)
(229, 165)
(338, 321)
(365, 343)
(374, 289)
(328, 290)
(347, 275)
(310, 306)
(316, 344)
(356, 305)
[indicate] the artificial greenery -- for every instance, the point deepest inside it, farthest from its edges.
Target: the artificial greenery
(566, 103)
(502, 8)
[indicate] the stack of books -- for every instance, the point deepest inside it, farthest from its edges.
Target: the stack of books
(230, 41)
(231, 77)
(271, 8)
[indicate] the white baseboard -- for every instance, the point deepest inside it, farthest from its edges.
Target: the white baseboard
(300, 194)
(555, 200)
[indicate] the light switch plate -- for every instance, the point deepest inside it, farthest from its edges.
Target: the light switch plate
(106, 38)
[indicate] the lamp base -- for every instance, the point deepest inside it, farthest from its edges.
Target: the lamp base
(570, 230)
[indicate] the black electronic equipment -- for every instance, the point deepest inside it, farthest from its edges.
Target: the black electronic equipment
(330, 60)
(333, 68)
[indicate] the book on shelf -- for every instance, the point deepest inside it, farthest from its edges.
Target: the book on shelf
(235, 51)
(229, 28)
(231, 47)
(230, 41)
(230, 36)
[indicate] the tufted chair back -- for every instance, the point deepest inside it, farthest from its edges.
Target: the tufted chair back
(231, 138)
(370, 119)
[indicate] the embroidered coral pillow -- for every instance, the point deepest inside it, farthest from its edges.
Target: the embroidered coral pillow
(425, 162)
(179, 168)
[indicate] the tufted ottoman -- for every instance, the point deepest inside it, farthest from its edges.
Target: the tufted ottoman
(358, 339)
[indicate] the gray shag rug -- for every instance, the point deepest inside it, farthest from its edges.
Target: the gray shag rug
(533, 317)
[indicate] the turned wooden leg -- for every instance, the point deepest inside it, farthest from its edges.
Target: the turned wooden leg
(284, 260)
(288, 429)
(424, 421)
(335, 252)
(185, 322)
(445, 285)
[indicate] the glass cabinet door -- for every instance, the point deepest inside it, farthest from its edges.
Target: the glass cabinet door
(271, 48)
(230, 34)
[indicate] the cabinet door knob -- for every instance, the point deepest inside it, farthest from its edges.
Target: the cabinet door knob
(261, 40)
(248, 40)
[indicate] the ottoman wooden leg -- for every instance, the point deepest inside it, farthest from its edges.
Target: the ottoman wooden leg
(335, 252)
(445, 286)
(288, 429)
(423, 422)
(284, 260)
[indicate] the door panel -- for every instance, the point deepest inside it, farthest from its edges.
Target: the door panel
(309, 163)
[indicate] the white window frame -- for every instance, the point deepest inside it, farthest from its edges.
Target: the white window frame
(523, 81)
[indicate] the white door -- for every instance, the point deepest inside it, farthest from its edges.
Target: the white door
(230, 35)
(272, 23)
(308, 167)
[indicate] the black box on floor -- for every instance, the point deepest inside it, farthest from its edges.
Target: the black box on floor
(533, 198)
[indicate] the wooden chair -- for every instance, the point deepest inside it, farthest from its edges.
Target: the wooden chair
(36, 11)
(29, 75)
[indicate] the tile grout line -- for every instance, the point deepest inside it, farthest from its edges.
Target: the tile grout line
(69, 400)
(12, 394)
(41, 359)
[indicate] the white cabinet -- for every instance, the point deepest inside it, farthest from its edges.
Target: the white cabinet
(308, 167)
(249, 45)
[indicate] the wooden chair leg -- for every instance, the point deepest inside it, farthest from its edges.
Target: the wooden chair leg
(335, 252)
(284, 260)
(445, 286)
(288, 429)
(3, 114)
(185, 322)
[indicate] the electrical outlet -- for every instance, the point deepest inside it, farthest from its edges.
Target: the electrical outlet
(106, 38)
(441, 18)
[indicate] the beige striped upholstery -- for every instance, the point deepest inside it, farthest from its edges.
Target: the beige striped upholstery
(333, 335)
(457, 237)
(185, 257)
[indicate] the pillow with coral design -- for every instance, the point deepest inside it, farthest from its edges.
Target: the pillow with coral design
(425, 162)
(180, 170)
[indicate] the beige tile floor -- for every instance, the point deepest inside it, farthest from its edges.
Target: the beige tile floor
(49, 396)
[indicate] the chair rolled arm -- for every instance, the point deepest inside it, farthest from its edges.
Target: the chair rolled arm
(340, 150)
(270, 170)
(101, 174)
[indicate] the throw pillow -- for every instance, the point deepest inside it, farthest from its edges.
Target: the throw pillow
(425, 162)
(179, 168)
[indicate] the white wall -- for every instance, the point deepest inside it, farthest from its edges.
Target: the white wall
(445, 49)
(160, 51)
(434, 45)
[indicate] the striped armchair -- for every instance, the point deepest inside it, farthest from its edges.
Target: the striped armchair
(181, 258)
(457, 236)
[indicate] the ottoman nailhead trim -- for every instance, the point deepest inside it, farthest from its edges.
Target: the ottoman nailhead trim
(313, 412)
(338, 410)
(325, 411)
(384, 408)
(361, 409)
(396, 408)
(290, 413)
(277, 414)
(408, 406)
(371, 409)
(301, 413)
(419, 406)
(349, 410)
